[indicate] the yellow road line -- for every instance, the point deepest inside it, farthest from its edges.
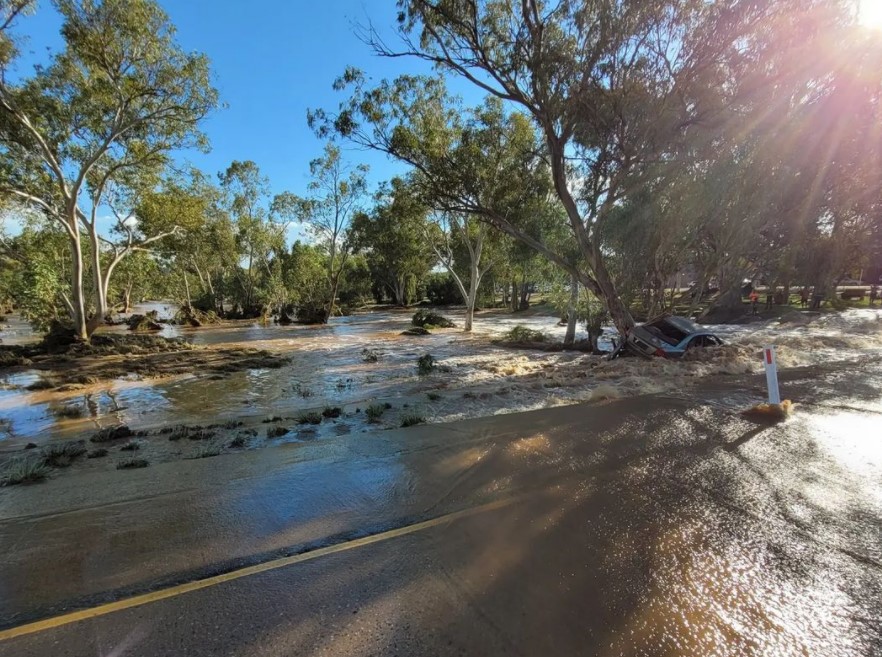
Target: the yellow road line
(174, 591)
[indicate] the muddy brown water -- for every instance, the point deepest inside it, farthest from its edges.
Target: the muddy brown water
(327, 368)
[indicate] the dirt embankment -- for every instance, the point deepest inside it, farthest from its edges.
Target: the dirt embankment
(115, 356)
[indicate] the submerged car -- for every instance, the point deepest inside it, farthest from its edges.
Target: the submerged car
(669, 337)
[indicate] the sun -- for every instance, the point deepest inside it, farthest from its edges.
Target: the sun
(870, 14)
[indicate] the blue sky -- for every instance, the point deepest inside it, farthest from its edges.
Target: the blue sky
(271, 59)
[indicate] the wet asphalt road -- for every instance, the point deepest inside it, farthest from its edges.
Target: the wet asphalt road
(653, 526)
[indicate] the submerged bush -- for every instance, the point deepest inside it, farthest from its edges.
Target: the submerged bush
(428, 319)
(111, 433)
(426, 364)
(69, 411)
(129, 464)
(370, 355)
(240, 440)
(521, 333)
(208, 451)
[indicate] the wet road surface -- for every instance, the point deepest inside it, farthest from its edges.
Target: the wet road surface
(648, 526)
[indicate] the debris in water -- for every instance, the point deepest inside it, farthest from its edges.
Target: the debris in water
(770, 412)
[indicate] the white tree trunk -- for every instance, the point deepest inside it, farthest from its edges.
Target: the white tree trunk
(572, 310)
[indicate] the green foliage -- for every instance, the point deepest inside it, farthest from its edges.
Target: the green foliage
(442, 290)
(521, 333)
(426, 364)
(429, 319)
(97, 125)
(392, 237)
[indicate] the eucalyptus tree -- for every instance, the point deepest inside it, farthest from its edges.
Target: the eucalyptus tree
(112, 104)
(393, 238)
(610, 87)
(447, 232)
(336, 194)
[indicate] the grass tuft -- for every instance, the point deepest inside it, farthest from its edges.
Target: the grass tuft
(412, 419)
(24, 470)
(332, 411)
(374, 412)
(61, 455)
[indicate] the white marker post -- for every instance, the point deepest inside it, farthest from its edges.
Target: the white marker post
(771, 363)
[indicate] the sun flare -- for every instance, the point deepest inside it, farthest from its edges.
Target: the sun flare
(870, 13)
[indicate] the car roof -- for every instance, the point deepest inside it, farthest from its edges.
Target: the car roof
(682, 323)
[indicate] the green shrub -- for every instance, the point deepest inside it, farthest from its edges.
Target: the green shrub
(428, 319)
(426, 364)
(309, 417)
(60, 455)
(24, 470)
(521, 333)
(374, 412)
(332, 411)
(129, 464)
(412, 419)
(433, 396)
(275, 432)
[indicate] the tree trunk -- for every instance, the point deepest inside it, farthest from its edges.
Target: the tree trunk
(78, 316)
(187, 290)
(618, 311)
(474, 282)
(127, 299)
(515, 297)
(335, 286)
(572, 311)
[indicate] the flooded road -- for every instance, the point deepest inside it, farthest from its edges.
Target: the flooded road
(660, 525)
(328, 368)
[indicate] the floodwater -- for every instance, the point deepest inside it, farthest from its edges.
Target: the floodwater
(663, 526)
(327, 368)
